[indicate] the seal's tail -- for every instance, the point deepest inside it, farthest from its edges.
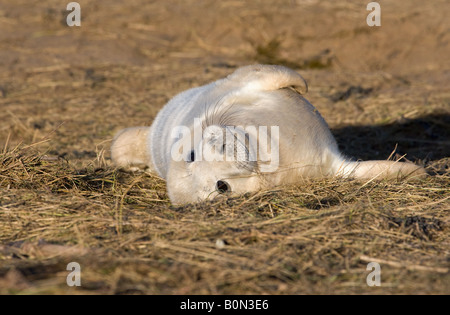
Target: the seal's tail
(129, 149)
(380, 170)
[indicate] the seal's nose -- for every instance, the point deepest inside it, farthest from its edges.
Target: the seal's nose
(223, 187)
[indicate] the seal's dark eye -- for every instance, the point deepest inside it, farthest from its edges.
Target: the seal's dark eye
(223, 187)
(191, 157)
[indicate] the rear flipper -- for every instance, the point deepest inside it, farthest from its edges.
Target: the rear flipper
(381, 170)
(129, 149)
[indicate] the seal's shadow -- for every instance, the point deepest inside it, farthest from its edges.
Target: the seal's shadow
(422, 139)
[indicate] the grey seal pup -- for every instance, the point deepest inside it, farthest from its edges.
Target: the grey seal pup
(250, 131)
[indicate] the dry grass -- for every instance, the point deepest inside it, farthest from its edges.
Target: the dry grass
(65, 92)
(313, 238)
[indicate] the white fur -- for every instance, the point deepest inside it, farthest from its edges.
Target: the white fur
(258, 95)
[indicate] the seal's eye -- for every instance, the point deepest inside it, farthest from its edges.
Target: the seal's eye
(223, 187)
(191, 157)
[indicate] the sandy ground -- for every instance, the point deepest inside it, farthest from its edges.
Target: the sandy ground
(66, 91)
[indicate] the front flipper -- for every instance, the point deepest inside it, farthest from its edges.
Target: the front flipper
(268, 78)
(129, 149)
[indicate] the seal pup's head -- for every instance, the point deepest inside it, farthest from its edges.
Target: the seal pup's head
(223, 162)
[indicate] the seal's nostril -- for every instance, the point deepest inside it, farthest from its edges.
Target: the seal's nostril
(223, 187)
